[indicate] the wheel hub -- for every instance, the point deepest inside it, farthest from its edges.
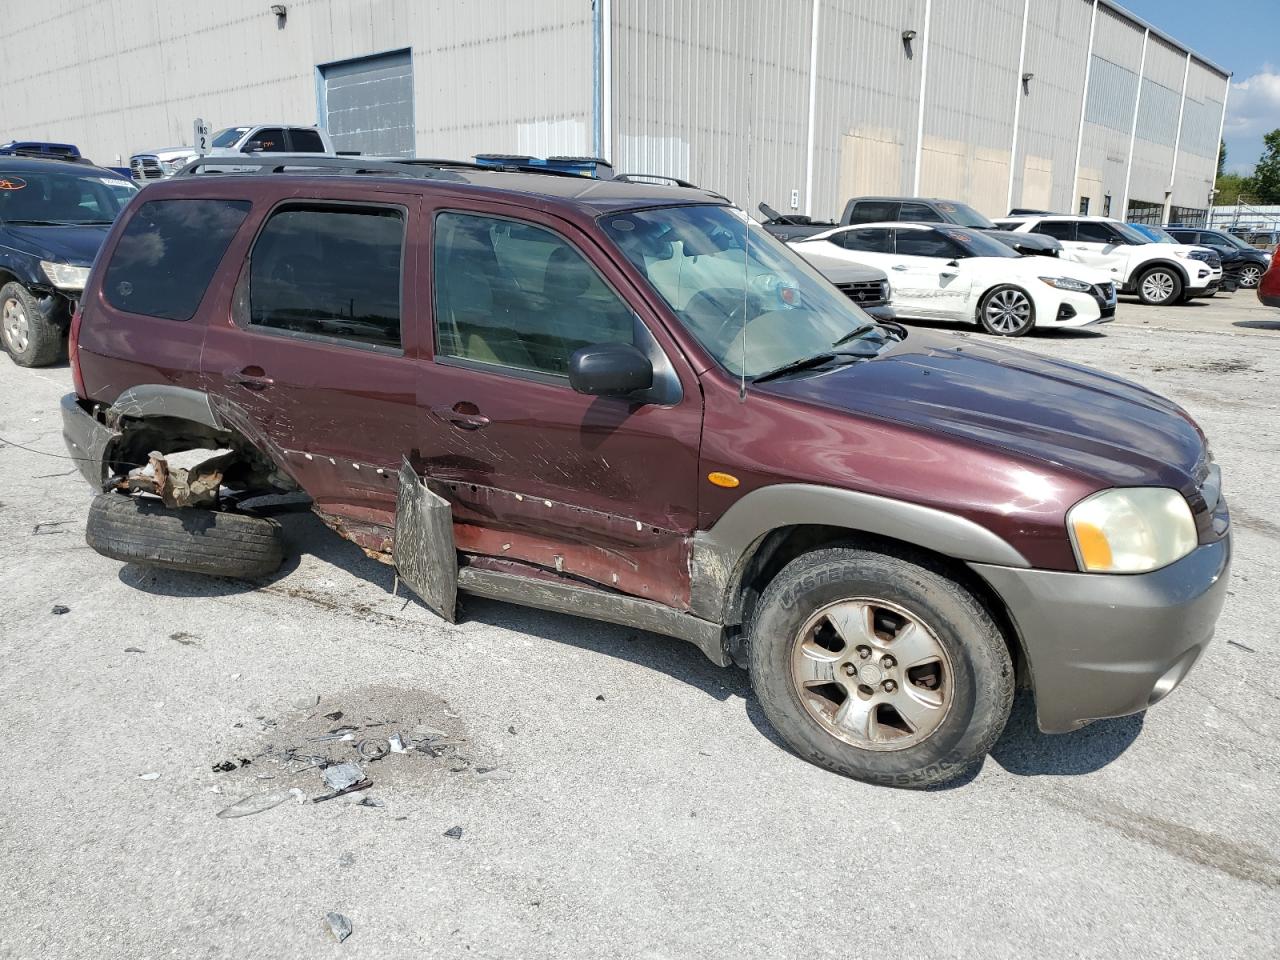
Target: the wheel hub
(870, 674)
(13, 324)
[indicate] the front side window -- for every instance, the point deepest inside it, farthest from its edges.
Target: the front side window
(751, 302)
(268, 140)
(1090, 232)
(515, 295)
(61, 197)
(329, 272)
(167, 254)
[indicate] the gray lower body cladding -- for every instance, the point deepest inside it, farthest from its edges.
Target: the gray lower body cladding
(87, 441)
(1108, 645)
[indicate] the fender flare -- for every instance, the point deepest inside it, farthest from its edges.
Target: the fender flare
(720, 554)
(1144, 267)
(164, 400)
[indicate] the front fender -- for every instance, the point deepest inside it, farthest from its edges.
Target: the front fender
(719, 554)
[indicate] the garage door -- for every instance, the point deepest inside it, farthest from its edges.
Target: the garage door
(368, 104)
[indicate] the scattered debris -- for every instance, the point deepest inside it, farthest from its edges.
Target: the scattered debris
(492, 773)
(454, 833)
(186, 639)
(343, 778)
(396, 742)
(1237, 643)
(306, 703)
(46, 527)
(134, 650)
(187, 478)
(335, 716)
(226, 766)
(247, 806)
(347, 859)
(369, 802)
(600, 696)
(373, 749)
(148, 776)
(59, 609)
(339, 926)
(511, 730)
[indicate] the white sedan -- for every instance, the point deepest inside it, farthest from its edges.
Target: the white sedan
(941, 272)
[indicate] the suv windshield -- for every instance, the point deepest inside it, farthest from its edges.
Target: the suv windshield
(1227, 238)
(228, 137)
(61, 197)
(963, 215)
(730, 282)
(1130, 235)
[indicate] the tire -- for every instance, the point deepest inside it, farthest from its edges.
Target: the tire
(1250, 275)
(220, 544)
(1006, 311)
(26, 332)
(1159, 285)
(973, 673)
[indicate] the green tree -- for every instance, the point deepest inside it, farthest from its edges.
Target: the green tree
(1264, 185)
(1230, 186)
(1222, 157)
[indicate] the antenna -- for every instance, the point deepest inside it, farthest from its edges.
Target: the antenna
(746, 229)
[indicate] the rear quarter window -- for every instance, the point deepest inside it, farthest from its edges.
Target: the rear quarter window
(167, 254)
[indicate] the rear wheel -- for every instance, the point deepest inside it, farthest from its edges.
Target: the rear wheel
(217, 543)
(880, 668)
(1160, 285)
(1007, 311)
(28, 335)
(1250, 276)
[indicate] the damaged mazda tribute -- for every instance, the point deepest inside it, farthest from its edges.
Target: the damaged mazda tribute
(627, 402)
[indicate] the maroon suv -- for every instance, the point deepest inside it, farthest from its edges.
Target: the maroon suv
(630, 403)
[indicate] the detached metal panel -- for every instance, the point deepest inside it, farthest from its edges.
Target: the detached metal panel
(715, 92)
(368, 104)
(969, 99)
(1056, 54)
(866, 100)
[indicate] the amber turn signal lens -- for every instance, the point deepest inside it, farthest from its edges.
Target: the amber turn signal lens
(723, 479)
(1095, 551)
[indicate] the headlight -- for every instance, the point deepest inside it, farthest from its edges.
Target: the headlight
(64, 276)
(1131, 529)
(1066, 283)
(173, 166)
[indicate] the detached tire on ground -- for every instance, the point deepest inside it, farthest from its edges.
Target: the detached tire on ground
(880, 667)
(212, 542)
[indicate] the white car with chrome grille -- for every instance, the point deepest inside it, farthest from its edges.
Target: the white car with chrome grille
(944, 272)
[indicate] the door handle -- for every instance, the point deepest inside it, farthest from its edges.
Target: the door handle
(461, 418)
(899, 267)
(251, 378)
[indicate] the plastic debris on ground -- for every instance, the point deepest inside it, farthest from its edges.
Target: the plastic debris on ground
(247, 806)
(339, 926)
(60, 609)
(454, 833)
(148, 776)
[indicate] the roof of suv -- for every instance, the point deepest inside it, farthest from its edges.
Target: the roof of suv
(1058, 216)
(592, 195)
(33, 165)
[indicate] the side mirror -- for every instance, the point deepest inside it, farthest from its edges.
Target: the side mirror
(609, 370)
(253, 146)
(953, 263)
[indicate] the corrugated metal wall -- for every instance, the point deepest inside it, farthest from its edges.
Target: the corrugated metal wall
(1157, 123)
(1112, 98)
(1201, 123)
(1056, 53)
(970, 97)
(715, 92)
(867, 95)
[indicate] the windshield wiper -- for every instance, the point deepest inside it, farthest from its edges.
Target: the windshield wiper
(39, 223)
(854, 334)
(804, 363)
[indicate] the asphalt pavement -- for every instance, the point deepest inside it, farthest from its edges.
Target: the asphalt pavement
(616, 794)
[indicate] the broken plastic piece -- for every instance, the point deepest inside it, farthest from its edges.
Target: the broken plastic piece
(339, 926)
(493, 773)
(258, 802)
(342, 775)
(336, 715)
(454, 833)
(374, 748)
(369, 802)
(59, 609)
(148, 776)
(134, 650)
(396, 742)
(224, 766)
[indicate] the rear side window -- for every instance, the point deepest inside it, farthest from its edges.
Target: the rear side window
(868, 240)
(919, 213)
(329, 272)
(874, 211)
(1058, 229)
(168, 253)
(306, 141)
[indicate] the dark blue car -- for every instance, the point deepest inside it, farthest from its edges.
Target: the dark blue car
(54, 216)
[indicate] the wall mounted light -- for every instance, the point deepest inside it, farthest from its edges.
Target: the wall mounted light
(1026, 82)
(907, 37)
(280, 12)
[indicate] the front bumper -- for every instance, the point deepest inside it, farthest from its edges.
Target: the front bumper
(87, 440)
(1108, 645)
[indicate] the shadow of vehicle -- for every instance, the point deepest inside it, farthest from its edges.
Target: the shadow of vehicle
(1023, 750)
(306, 534)
(1258, 324)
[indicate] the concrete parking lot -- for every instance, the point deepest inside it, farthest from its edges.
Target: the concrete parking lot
(618, 796)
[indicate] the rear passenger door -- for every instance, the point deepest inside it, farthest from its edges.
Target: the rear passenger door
(309, 363)
(602, 488)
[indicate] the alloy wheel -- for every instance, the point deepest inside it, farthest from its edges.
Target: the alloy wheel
(14, 325)
(1157, 287)
(1250, 276)
(1008, 311)
(872, 674)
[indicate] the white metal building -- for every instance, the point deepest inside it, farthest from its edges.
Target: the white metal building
(1053, 104)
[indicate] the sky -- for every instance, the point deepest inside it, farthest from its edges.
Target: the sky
(1242, 36)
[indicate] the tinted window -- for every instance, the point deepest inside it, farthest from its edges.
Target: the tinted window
(1058, 229)
(517, 295)
(167, 254)
(870, 240)
(329, 272)
(874, 211)
(306, 141)
(964, 215)
(270, 140)
(1089, 232)
(919, 213)
(62, 197)
(926, 243)
(975, 243)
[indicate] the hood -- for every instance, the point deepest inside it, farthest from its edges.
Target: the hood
(167, 153)
(1065, 415)
(1026, 241)
(77, 245)
(841, 271)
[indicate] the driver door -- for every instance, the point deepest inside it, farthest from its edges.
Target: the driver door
(928, 276)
